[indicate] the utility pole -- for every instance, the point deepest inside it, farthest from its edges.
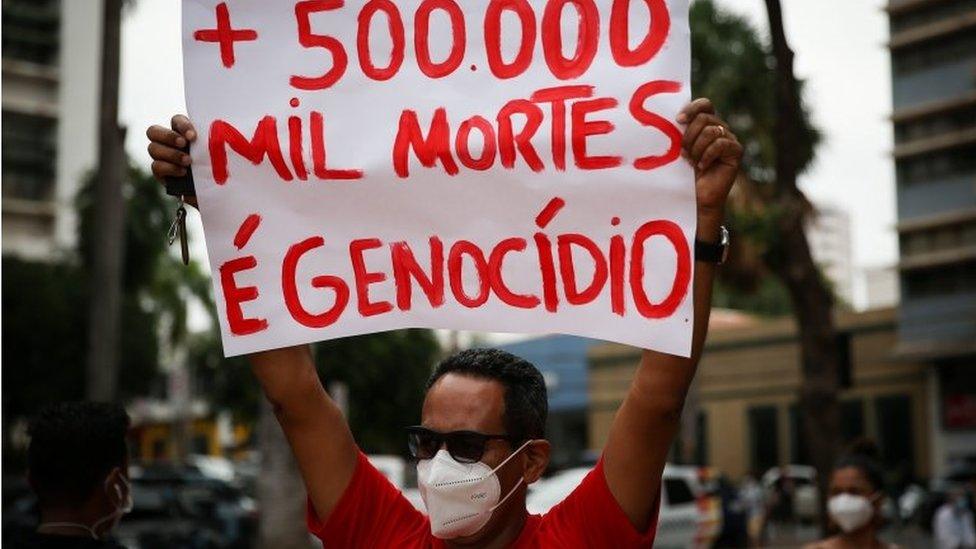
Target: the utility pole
(109, 243)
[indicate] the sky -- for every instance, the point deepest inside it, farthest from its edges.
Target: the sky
(840, 51)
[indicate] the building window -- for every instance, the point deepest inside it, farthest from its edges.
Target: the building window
(851, 428)
(29, 154)
(945, 164)
(925, 56)
(895, 433)
(763, 437)
(701, 438)
(31, 30)
(936, 124)
(851, 420)
(941, 281)
(799, 451)
(958, 394)
(931, 13)
(844, 374)
(946, 237)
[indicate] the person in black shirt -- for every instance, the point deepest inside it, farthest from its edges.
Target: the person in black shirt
(78, 468)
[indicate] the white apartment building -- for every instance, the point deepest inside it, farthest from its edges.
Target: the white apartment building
(829, 234)
(51, 59)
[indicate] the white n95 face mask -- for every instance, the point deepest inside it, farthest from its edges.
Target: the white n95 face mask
(850, 512)
(460, 497)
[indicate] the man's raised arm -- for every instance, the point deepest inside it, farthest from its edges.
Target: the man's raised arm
(314, 426)
(648, 419)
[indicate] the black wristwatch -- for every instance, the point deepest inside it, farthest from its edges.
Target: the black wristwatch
(713, 253)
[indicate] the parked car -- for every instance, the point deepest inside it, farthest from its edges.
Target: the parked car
(394, 468)
(415, 499)
(689, 517)
(690, 493)
(180, 506)
(801, 481)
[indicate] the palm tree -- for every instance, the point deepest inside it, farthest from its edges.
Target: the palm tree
(793, 264)
(755, 89)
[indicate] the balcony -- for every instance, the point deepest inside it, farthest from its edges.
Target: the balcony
(931, 31)
(935, 143)
(939, 326)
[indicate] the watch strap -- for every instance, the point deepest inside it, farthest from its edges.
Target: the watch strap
(713, 252)
(709, 253)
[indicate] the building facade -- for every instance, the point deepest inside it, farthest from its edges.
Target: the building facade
(745, 396)
(933, 59)
(562, 359)
(50, 120)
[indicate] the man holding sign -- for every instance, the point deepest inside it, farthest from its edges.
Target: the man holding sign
(483, 417)
(445, 182)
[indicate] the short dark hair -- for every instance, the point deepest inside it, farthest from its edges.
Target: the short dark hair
(526, 403)
(863, 456)
(73, 447)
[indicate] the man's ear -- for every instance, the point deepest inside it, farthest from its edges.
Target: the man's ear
(113, 485)
(536, 459)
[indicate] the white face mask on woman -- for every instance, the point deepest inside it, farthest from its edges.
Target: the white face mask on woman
(850, 512)
(460, 497)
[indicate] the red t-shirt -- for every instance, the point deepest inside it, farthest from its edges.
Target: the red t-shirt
(373, 513)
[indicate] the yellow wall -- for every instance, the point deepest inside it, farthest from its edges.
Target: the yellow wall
(759, 365)
(150, 436)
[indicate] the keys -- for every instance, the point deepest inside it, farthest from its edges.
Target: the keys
(178, 230)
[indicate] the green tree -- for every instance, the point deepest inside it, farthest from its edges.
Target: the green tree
(733, 67)
(385, 375)
(46, 307)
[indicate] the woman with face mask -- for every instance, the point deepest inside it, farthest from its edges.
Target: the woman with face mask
(854, 505)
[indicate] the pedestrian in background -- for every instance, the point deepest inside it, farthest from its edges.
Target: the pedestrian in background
(953, 523)
(854, 507)
(78, 468)
(752, 496)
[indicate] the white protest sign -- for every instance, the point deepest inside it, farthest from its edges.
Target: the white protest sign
(498, 165)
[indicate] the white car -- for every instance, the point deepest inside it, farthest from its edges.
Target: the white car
(687, 517)
(394, 468)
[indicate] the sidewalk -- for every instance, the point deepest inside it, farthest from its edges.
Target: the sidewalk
(783, 536)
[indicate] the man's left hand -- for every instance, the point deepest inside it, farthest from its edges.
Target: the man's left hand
(715, 153)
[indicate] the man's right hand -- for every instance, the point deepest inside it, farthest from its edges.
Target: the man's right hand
(315, 428)
(166, 149)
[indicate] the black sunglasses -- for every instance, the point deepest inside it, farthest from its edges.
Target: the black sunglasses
(464, 446)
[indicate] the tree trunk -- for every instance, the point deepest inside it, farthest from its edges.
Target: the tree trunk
(106, 271)
(281, 493)
(790, 259)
